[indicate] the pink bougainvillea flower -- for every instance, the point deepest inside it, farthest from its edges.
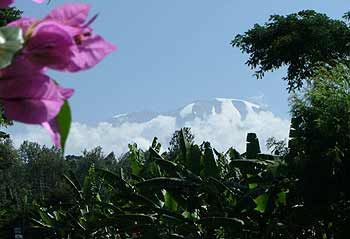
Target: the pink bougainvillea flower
(29, 96)
(50, 45)
(52, 125)
(62, 40)
(89, 48)
(34, 100)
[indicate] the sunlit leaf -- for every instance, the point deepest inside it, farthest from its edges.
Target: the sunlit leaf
(11, 41)
(261, 202)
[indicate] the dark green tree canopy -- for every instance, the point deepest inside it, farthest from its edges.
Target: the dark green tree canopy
(301, 41)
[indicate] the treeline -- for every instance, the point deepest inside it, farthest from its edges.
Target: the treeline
(34, 173)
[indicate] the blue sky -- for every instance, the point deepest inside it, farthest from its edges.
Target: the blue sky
(171, 53)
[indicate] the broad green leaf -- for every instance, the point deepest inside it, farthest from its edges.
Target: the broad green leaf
(282, 198)
(11, 41)
(195, 159)
(252, 185)
(210, 166)
(261, 202)
(170, 202)
(167, 183)
(135, 158)
(64, 120)
(253, 146)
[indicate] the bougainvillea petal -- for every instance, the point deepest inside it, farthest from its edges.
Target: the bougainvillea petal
(71, 14)
(89, 53)
(5, 3)
(24, 23)
(59, 127)
(20, 67)
(53, 129)
(34, 99)
(50, 46)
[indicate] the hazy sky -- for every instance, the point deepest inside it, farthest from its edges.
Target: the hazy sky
(171, 53)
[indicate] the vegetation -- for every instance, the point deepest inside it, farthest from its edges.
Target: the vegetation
(301, 41)
(299, 191)
(8, 15)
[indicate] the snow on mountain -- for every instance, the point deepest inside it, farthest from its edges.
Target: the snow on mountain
(223, 122)
(233, 109)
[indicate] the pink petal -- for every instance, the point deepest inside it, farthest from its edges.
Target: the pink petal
(54, 131)
(21, 67)
(24, 23)
(90, 53)
(50, 45)
(71, 14)
(33, 99)
(66, 92)
(5, 3)
(39, 1)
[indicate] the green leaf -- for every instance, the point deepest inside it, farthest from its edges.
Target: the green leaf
(167, 183)
(252, 185)
(195, 159)
(282, 198)
(210, 166)
(11, 41)
(64, 120)
(253, 147)
(261, 202)
(170, 202)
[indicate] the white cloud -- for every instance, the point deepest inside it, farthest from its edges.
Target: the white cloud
(223, 130)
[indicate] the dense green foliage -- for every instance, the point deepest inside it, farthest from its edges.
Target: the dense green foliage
(34, 174)
(321, 147)
(300, 41)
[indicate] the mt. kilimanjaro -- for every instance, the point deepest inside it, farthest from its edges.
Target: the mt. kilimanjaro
(236, 109)
(224, 122)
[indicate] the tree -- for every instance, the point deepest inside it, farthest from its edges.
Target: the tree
(44, 171)
(300, 41)
(320, 147)
(13, 187)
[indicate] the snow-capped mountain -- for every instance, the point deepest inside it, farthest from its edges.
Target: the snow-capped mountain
(222, 122)
(235, 109)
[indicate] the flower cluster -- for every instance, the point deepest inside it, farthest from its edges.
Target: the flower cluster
(61, 41)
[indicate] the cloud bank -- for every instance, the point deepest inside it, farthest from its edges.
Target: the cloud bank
(223, 129)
